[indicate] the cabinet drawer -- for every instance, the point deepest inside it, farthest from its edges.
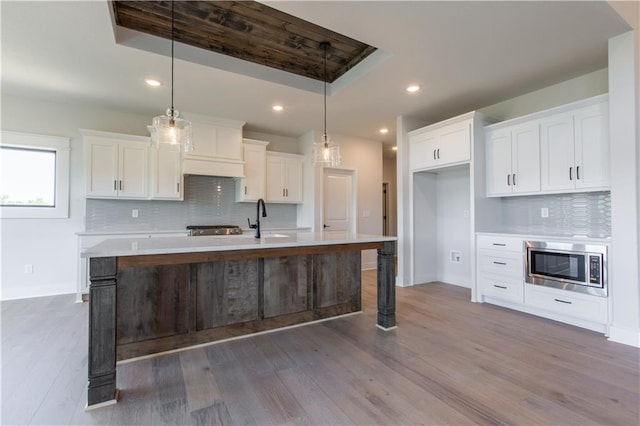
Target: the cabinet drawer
(512, 291)
(501, 264)
(500, 243)
(583, 306)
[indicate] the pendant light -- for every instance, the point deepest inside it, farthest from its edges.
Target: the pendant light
(326, 152)
(170, 129)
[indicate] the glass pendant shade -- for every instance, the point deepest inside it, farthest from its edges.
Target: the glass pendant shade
(326, 153)
(172, 130)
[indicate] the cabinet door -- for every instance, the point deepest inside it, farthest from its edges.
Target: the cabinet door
(498, 162)
(204, 140)
(275, 178)
(293, 182)
(423, 151)
(557, 171)
(166, 176)
(102, 169)
(133, 161)
(454, 144)
(592, 147)
(525, 158)
(253, 184)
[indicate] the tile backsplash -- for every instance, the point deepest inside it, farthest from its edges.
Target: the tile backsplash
(208, 200)
(586, 213)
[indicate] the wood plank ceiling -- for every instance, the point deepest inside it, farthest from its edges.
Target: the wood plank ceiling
(247, 30)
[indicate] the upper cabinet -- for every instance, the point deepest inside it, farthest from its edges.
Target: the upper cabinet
(444, 144)
(284, 178)
(116, 165)
(166, 173)
(252, 186)
(513, 160)
(575, 150)
(217, 147)
(565, 149)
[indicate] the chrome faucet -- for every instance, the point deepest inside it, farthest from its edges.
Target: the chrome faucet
(256, 226)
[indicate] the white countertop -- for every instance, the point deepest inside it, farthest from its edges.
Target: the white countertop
(270, 239)
(169, 231)
(538, 237)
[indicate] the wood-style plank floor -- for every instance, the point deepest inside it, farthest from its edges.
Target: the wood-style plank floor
(449, 362)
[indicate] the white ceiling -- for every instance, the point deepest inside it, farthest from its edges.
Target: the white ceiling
(465, 55)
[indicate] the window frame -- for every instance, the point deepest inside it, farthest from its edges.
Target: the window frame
(61, 147)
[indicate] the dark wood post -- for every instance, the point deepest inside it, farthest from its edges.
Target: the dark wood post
(387, 286)
(102, 331)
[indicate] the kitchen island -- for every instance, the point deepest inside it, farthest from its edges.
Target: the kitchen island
(155, 295)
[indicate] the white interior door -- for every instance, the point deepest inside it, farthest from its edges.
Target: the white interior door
(338, 200)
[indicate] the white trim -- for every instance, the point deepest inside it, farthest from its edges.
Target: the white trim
(624, 336)
(244, 336)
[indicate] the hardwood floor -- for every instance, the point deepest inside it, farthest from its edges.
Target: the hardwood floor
(449, 362)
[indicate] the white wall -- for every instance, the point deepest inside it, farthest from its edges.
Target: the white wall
(453, 226)
(623, 128)
(277, 143)
(50, 244)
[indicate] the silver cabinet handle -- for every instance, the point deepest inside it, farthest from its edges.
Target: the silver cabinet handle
(438, 153)
(577, 172)
(499, 244)
(500, 286)
(283, 192)
(500, 263)
(245, 190)
(178, 187)
(120, 185)
(115, 185)
(509, 180)
(434, 154)
(570, 173)
(513, 179)
(563, 301)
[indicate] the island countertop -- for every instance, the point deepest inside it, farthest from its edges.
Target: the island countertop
(191, 244)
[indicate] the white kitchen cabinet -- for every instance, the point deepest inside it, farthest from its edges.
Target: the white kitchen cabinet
(500, 265)
(116, 165)
(585, 307)
(284, 177)
(252, 186)
(575, 150)
(440, 145)
(166, 173)
(217, 147)
(513, 159)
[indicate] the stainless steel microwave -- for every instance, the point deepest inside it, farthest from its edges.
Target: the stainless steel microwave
(575, 267)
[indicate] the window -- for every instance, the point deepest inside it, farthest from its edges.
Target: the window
(34, 176)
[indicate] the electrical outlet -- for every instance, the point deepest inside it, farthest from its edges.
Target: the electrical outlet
(544, 212)
(28, 269)
(455, 256)
(134, 213)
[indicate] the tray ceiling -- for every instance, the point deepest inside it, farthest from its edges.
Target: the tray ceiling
(249, 31)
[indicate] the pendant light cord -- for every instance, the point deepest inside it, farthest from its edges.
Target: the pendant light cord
(173, 6)
(325, 45)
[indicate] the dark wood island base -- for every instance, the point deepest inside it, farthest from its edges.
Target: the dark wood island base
(145, 304)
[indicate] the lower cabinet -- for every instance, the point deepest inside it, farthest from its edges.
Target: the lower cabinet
(501, 280)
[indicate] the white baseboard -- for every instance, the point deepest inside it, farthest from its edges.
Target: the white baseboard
(625, 336)
(28, 292)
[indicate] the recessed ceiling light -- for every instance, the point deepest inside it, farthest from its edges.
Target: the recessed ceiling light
(384, 130)
(395, 148)
(153, 83)
(277, 108)
(413, 88)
